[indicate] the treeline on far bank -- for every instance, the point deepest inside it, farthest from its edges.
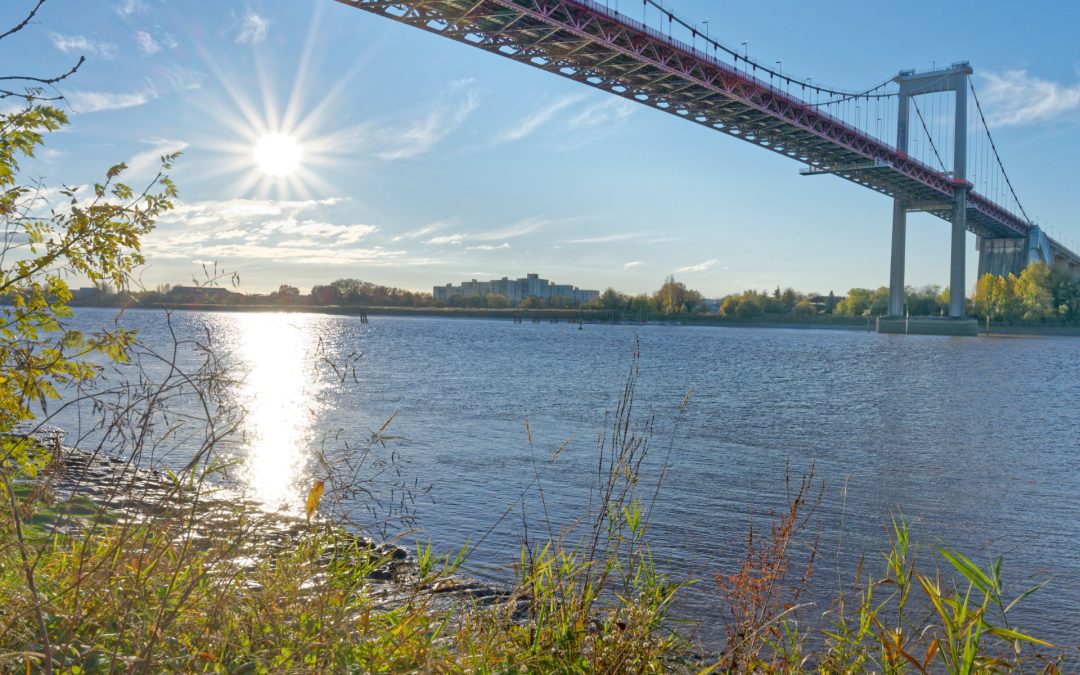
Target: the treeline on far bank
(1038, 295)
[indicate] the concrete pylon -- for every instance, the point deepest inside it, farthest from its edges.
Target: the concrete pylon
(954, 79)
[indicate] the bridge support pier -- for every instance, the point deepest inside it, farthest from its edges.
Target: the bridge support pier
(957, 267)
(899, 251)
(1002, 257)
(1010, 256)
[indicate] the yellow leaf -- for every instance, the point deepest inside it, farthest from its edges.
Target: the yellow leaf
(313, 498)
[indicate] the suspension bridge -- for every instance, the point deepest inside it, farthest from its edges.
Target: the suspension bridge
(913, 138)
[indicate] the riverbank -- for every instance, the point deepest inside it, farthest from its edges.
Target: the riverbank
(108, 490)
(586, 316)
(592, 316)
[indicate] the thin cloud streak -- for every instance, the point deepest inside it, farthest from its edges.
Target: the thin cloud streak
(146, 163)
(420, 232)
(423, 134)
(82, 45)
(605, 113)
(96, 101)
(700, 267)
(530, 124)
(488, 247)
(605, 239)
(518, 229)
(170, 80)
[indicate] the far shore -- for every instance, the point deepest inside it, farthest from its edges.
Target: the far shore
(595, 316)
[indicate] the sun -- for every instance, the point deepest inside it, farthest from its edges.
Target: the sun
(278, 154)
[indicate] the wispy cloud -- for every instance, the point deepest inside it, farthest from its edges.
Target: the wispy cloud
(150, 44)
(632, 263)
(147, 162)
(253, 29)
(605, 238)
(700, 267)
(1017, 98)
(520, 228)
(420, 232)
(129, 7)
(608, 112)
(447, 239)
(488, 247)
(147, 43)
(170, 80)
(96, 101)
(532, 122)
(82, 45)
(422, 134)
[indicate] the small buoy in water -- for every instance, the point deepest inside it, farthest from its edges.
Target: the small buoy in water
(579, 326)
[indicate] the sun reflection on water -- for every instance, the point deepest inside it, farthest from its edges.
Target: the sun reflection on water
(277, 354)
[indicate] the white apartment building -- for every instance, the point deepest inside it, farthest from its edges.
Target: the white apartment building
(514, 290)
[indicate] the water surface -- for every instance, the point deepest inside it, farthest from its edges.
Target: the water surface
(972, 440)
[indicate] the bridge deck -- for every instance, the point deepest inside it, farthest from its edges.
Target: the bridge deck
(591, 44)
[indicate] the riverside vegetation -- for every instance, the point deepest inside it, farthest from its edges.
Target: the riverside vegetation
(116, 555)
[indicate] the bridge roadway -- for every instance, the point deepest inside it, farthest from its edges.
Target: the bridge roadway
(591, 44)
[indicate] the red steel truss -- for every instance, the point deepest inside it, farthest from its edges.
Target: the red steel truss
(591, 44)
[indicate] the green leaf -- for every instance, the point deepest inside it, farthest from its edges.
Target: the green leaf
(1009, 634)
(970, 571)
(1024, 595)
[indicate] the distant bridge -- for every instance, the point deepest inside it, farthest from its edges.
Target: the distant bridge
(831, 131)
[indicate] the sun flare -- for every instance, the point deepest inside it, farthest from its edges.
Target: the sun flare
(278, 154)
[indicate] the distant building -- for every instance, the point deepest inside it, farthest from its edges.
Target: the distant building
(202, 295)
(514, 290)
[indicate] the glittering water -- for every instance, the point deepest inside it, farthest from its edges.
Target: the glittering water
(972, 440)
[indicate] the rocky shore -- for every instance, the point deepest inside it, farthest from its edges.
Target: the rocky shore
(107, 490)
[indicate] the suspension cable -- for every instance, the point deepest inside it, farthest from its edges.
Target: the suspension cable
(845, 94)
(993, 146)
(928, 136)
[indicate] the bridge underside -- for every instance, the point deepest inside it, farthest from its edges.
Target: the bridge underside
(590, 44)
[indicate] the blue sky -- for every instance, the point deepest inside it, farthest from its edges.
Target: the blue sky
(424, 161)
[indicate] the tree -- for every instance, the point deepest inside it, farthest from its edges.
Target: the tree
(831, 302)
(611, 299)
(788, 299)
(991, 297)
(286, 295)
(97, 238)
(325, 295)
(749, 307)
(855, 303)
(1033, 291)
(496, 300)
(803, 308)
(675, 298)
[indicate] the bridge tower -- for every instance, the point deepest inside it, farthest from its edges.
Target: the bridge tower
(954, 79)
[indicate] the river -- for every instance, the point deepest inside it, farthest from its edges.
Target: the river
(971, 440)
